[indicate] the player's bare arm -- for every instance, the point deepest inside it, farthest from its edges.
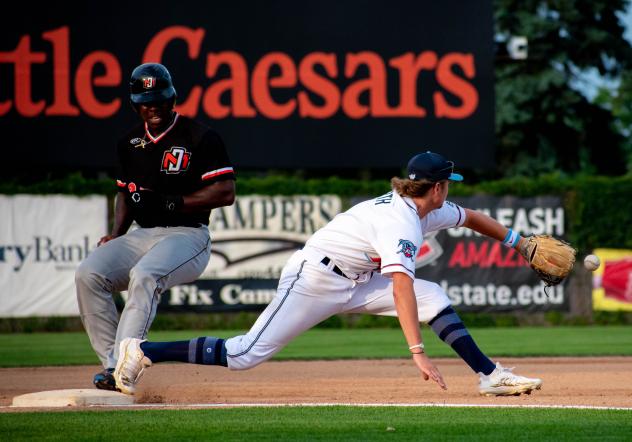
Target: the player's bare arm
(406, 305)
(218, 194)
(122, 219)
(488, 226)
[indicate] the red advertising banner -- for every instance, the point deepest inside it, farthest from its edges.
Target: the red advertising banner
(612, 281)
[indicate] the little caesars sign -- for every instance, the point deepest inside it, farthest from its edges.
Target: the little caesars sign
(251, 241)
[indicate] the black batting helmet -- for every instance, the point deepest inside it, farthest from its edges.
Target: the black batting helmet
(151, 82)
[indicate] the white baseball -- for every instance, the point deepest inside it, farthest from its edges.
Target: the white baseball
(591, 262)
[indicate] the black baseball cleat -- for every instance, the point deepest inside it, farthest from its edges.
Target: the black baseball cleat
(105, 380)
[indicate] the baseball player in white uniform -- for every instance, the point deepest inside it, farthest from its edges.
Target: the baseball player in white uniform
(363, 261)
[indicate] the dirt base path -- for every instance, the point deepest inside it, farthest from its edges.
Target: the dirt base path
(567, 381)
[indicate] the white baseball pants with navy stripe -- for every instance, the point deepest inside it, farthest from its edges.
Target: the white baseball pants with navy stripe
(308, 293)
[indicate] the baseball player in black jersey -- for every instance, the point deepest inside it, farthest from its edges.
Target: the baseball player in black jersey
(173, 171)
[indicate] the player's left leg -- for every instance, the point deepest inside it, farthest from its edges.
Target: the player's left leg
(307, 294)
(180, 256)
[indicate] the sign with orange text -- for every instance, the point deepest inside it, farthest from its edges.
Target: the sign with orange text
(286, 84)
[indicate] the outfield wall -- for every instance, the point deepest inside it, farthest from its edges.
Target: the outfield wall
(43, 239)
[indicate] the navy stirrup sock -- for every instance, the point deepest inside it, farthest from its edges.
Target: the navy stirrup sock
(450, 329)
(177, 351)
(204, 350)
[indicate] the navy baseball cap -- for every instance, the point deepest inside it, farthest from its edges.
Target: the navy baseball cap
(432, 167)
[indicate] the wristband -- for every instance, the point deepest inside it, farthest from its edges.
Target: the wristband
(511, 239)
(419, 346)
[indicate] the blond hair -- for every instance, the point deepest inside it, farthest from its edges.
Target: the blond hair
(410, 188)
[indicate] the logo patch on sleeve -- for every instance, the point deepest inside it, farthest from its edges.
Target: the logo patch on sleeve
(407, 248)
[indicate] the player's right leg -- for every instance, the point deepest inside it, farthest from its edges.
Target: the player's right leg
(308, 293)
(105, 269)
(179, 255)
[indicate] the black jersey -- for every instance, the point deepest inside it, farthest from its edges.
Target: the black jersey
(186, 157)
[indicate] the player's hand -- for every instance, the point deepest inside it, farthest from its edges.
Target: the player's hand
(105, 239)
(428, 370)
(144, 199)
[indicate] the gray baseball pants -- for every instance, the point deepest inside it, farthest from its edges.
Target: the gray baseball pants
(145, 262)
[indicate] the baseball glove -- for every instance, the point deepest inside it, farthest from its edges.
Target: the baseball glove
(552, 259)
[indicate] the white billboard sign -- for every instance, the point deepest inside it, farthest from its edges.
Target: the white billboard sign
(42, 241)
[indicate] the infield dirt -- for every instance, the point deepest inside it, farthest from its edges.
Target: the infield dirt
(588, 381)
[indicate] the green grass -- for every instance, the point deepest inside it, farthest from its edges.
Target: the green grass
(39, 349)
(322, 423)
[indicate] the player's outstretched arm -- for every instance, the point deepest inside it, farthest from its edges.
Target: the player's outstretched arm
(551, 258)
(406, 305)
(484, 224)
(488, 226)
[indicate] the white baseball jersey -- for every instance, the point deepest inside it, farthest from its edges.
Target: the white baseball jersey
(382, 234)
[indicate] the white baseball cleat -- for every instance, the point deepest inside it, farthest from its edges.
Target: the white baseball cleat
(131, 365)
(502, 382)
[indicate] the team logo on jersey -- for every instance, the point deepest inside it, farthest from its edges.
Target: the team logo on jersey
(149, 82)
(407, 248)
(135, 141)
(175, 160)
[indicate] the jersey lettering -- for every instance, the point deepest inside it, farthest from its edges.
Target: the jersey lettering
(176, 160)
(384, 199)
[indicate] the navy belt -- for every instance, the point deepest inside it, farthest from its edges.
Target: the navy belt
(335, 268)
